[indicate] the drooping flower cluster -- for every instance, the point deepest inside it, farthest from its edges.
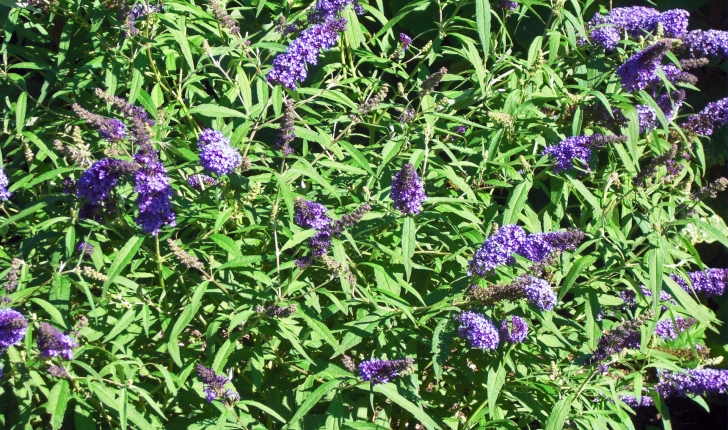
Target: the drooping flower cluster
(199, 180)
(216, 154)
(408, 190)
(381, 371)
(323, 33)
(86, 249)
(97, 181)
(669, 331)
(13, 276)
(711, 190)
(139, 10)
(711, 282)
(224, 18)
(185, 257)
(310, 214)
(154, 192)
(624, 336)
(706, 43)
(429, 84)
(537, 291)
(713, 116)
(632, 402)
(53, 343)
(214, 385)
(4, 193)
(281, 311)
(606, 30)
(538, 247)
(497, 250)
(514, 330)
(405, 41)
(110, 129)
(479, 331)
(315, 215)
(640, 70)
(577, 148)
(493, 294)
(286, 133)
(695, 382)
(12, 327)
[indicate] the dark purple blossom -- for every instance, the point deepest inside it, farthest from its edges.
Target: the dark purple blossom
(714, 115)
(291, 66)
(514, 330)
(695, 382)
(381, 371)
(140, 10)
(668, 330)
(12, 327)
(210, 136)
(53, 343)
(632, 402)
(711, 282)
(286, 134)
(405, 41)
(4, 193)
(198, 180)
(537, 291)
(706, 43)
(97, 181)
(311, 214)
(219, 157)
(536, 247)
(641, 69)
(506, 5)
(110, 129)
(214, 385)
(58, 372)
(577, 148)
(479, 331)
(606, 30)
(408, 191)
(86, 249)
(406, 115)
(625, 336)
(154, 192)
(325, 10)
(497, 250)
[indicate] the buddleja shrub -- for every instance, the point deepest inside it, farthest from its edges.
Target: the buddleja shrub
(350, 215)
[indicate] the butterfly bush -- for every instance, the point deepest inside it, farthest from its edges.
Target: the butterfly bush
(323, 214)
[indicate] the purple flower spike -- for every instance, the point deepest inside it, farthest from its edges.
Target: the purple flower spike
(219, 158)
(577, 148)
(86, 249)
(714, 115)
(97, 181)
(154, 192)
(515, 330)
(311, 214)
(710, 43)
(641, 68)
(669, 331)
(536, 247)
(497, 250)
(712, 282)
(697, 382)
(538, 292)
(53, 343)
(480, 332)
(405, 40)
(381, 371)
(12, 327)
(198, 180)
(4, 193)
(291, 66)
(214, 385)
(606, 30)
(210, 136)
(632, 402)
(408, 191)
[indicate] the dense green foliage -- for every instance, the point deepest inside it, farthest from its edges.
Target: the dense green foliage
(391, 285)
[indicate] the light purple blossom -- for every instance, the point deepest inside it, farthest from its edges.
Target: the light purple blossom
(668, 330)
(696, 382)
(514, 330)
(479, 331)
(538, 291)
(497, 250)
(381, 371)
(53, 343)
(4, 193)
(641, 69)
(12, 327)
(408, 190)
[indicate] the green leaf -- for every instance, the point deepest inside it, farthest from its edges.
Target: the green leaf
(319, 328)
(496, 380)
(312, 400)
(559, 414)
(121, 325)
(516, 201)
(263, 408)
(408, 244)
(189, 312)
(482, 19)
(122, 259)
(57, 402)
(390, 390)
(20, 108)
(574, 271)
(227, 244)
(215, 111)
(52, 311)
